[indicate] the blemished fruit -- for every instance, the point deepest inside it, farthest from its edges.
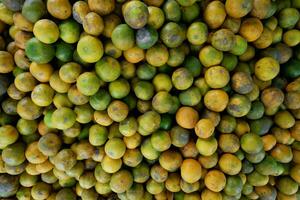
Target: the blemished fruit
(9, 185)
(135, 14)
(151, 99)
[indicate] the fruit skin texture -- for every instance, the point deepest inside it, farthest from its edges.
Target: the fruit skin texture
(157, 55)
(216, 100)
(115, 148)
(22, 23)
(90, 53)
(187, 117)
(182, 79)
(60, 9)
(287, 186)
(28, 110)
(170, 160)
(251, 143)
(156, 17)
(39, 52)
(223, 40)
(51, 33)
(209, 56)
(186, 2)
(93, 24)
(9, 185)
(242, 83)
(251, 29)
(266, 68)
(162, 102)
(146, 37)
(239, 8)
(234, 185)
(295, 173)
(291, 68)
(79, 10)
(217, 77)
(190, 170)
(240, 46)
(13, 155)
(121, 181)
(33, 10)
(215, 180)
(13, 6)
(172, 34)
(63, 118)
(135, 14)
(204, 128)
(42, 95)
(69, 31)
(88, 83)
(215, 14)
(197, 33)
(102, 7)
(9, 135)
(230, 164)
(104, 66)
(103, 99)
(66, 193)
(206, 194)
(238, 105)
(49, 144)
(288, 17)
(6, 62)
(123, 37)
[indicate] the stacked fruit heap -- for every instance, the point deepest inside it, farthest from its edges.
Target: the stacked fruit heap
(152, 99)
